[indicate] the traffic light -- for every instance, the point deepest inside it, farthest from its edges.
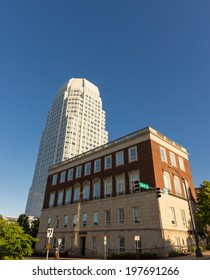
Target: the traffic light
(158, 192)
(189, 231)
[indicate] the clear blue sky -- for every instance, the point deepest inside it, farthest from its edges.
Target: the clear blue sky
(150, 60)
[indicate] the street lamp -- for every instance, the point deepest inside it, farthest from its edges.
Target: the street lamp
(198, 250)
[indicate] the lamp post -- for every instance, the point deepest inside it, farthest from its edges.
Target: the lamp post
(198, 250)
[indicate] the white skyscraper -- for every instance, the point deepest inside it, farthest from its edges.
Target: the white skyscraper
(75, 124)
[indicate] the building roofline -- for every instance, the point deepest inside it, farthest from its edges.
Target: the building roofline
(141, 132)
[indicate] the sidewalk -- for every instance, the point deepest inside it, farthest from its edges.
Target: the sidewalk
(192, 256)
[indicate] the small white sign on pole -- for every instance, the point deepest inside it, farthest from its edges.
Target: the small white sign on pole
(50, 232)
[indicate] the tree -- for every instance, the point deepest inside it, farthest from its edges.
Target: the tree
(203, 211)
(24, 223)
(14, 243)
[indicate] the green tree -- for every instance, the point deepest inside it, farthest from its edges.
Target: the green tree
(203, 211)
(14, 243)
(24, 223)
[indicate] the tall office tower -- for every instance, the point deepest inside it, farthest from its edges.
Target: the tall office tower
(75, 124)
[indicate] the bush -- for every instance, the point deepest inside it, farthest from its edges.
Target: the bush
(133, 256)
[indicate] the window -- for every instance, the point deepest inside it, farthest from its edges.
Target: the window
(76, 194)
(96, 190)
(108, 188)
(60, 198)
(78, 171)
(107, 217)
(54, 180)
(108, 162)
(68, 196)
(74, 220)
(119, 158)
(87, 168)
(70, 174)
(95, 219)
(172, 216)
(132, 153)
(167, 180)
(185, 184)
(181, 163)
(97, 165)
(172, 159)
(183, 217)
(120, 185)
(57, 220)
(121, 216)
(121, 244)
(94, 243)
(63, 177)
(177, 185)
(48, 221)
(84, 219)
(86, 193)
(136, 215)
(52, 199)
(65, 222)
(163, 154)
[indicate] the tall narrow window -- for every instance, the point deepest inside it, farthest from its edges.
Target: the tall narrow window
(121, 216)
(76, 194)
(119, 158)
(57, 221)
(136, 215)
(94, 243)
(107, 217)
(96, 190)
(181, 163)
(63, 177)
(183, 217)
(60, 198)
(172, 158)
(97, 165)
(68, 196)
(65, 222)
(52, 199)
(74, 220)
(79, 171)
(87, 168)
(132, 152)
(163, 154)
(95, 219)
(86, 192)
(84, 219)
(167, 180)
(108, 187)
(120, 185)
(54, 180)
(108, 162)
(177, 185)
(121, 244)
(70, 174)
(172, 215)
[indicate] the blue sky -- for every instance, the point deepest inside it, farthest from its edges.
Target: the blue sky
(150, 60)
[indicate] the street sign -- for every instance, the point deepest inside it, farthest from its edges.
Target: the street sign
(144, 186)
(59, 241)
(50, 232)
(48, 246)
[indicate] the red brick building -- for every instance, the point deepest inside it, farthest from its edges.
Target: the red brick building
(94, 195)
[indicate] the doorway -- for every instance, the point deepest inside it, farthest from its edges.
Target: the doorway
(82, 245)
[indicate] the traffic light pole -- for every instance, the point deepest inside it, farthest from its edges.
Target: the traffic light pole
(198, 250)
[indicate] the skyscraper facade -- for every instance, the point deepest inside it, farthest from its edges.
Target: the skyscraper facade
(75, 124)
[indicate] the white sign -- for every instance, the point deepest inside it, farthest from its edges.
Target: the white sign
(137, 238)
(50, 232)
(59, 241)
